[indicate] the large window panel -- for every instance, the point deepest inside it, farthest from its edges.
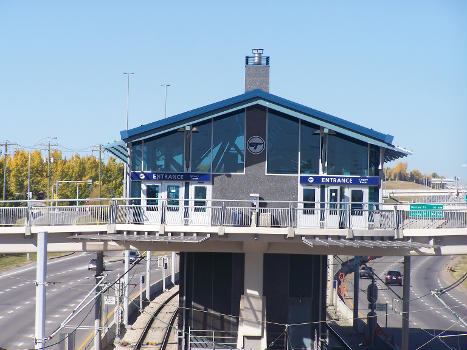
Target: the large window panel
(165, 153)
(282, 144)
(136, 154)
(309, 148)
(228, 149)
(374, 161)
(346, 156)
(201, 147)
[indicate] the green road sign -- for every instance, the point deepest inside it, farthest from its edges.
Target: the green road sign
(418, 211)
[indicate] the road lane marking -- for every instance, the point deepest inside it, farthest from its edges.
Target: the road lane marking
(10, 312)
(7, 290)
(33, 267)
(20, 344)
(18, 307)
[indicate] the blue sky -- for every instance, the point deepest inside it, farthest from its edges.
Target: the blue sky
(399, 67)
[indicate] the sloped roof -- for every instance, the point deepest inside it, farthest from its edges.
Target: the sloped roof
(274, 102)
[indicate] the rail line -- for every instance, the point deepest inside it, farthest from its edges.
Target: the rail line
(167, 325)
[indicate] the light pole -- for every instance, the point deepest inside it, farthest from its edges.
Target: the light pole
(165, 100)
(77, 182)
(127, 94)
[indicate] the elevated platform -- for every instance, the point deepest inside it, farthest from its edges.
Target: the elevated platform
(221, 225)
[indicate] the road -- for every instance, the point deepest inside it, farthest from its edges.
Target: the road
(69, 281)
(428, 316)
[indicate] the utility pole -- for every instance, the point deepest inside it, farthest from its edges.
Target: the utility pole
(5, 168)
(127, 94)
(98, 305)
(165, 100)
(48, 163)
(100, 178)
(406, 304)
(41, 272)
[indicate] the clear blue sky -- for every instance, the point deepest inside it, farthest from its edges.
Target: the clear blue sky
(399, 67)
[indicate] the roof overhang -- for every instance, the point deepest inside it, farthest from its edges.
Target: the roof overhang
(259, 97)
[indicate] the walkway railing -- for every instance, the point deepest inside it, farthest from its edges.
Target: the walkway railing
(327, 215)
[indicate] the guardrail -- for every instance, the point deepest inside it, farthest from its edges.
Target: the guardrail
(233, 213)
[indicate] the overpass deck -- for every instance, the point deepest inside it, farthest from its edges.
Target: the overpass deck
(336, 224)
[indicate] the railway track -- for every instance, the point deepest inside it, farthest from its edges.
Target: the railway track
(158, 333)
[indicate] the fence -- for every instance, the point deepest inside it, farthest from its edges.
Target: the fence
(234, 213)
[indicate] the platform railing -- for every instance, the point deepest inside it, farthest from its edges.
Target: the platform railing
(240, 213)
(211, 339)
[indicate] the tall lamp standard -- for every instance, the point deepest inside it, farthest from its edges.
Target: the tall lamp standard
(165, 100)
(127, 94)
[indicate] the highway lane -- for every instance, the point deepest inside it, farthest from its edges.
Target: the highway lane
(428, 315)
(70, 281)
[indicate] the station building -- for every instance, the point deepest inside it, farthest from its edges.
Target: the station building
(273, 163)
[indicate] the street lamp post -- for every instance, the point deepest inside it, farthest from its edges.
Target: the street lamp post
(127, 94)
(165, 100)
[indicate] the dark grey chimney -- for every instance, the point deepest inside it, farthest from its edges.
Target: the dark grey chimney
(257, 71)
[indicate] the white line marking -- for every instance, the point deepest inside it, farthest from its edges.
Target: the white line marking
(19, 344)
(33, 267)
(10, 312)
(18, 307)
(49, 321)
(7, 290)
(1, 317)
(27, 302)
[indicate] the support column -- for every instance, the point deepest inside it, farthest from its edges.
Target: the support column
(405, 304)
(356, 289)
(174, 257)
(98, 305)
(41, 272)
(148, 275)
(252, 321)
(126, 281)
(330, 281)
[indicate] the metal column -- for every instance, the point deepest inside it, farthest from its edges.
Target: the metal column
(126, 281)
(405, 304)
(148, 275)
(41, 272)
(98, 304)
(174, 256)
(356, 289)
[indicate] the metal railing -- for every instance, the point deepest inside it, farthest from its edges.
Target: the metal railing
(328, 215)
(211, 339)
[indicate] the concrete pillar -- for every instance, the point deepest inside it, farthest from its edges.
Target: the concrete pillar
(252, 321)
(41, 272)
(126, 281)
(356, 289)
(148, 275)
(98, 305)
(173, 261)
(405, 304)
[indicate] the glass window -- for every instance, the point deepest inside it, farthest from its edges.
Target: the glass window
(282, 144)
(333, 200)
(135, 192)
(165, 153)
(346, 156)
(152, 191)
(201, 147)
(373, 197)
(200, 193)
(356, 198)
(228, 149)
(309, 195)
(173, 194)
(373, 161)
(309, 148)
(136, 154)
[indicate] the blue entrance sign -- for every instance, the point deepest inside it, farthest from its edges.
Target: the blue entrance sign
(340, 180)
(140, 175)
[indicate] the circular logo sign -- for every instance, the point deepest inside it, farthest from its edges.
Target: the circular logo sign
(311, 179)
(142, 176)
(255, 144)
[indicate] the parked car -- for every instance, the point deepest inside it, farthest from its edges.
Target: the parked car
(393, 277)
(366, 272)
(93, 264)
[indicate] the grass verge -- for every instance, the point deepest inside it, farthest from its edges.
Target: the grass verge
(9, 261)
(459, 268)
